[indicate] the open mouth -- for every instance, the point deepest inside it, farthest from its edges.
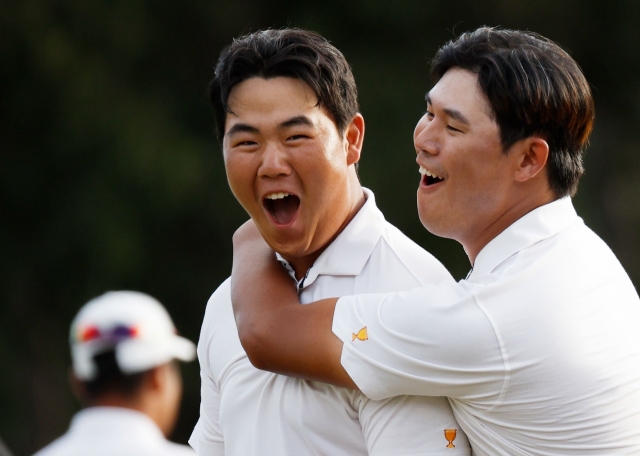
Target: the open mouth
(282, 206)
(429, 177)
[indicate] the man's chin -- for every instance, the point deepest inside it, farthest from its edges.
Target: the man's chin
(435, 225)
(295, 250)
(288, 246)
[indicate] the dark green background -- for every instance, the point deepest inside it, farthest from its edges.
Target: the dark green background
(111, 178)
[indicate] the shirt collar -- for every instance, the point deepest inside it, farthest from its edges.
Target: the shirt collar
(539, 224)
(115, 420)
(351, 249)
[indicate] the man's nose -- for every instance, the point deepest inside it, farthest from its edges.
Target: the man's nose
(425, 138)
(274, 162)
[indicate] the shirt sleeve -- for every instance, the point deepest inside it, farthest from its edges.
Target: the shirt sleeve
(410, 426)
(206, 438)
(431, 341)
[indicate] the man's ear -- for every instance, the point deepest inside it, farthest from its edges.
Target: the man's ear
(354, 138)
(77, 387)
(533, 153)
(155, 378)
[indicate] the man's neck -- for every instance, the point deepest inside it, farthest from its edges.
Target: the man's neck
(302, 264)
(512, 214)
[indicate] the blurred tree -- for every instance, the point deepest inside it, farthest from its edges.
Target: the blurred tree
(111, 178)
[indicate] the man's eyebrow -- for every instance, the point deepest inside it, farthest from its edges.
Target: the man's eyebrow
(240, 127)
(292, 122)
(453, 113)
(295, 121)
(457, 115)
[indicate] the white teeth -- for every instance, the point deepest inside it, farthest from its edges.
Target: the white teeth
(424, 171)
(275, 196)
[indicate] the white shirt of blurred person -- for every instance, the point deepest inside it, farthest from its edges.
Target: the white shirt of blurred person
(124, 346)
(294, 172)
(539, 348)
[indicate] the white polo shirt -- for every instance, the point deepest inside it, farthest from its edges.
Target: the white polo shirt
(109, 431)
(245, 411)
(538, 350)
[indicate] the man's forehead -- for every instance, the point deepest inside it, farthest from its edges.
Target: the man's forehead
(261, 93)
(279, 102)
(458, 93)
(455, 84)
(271, 101)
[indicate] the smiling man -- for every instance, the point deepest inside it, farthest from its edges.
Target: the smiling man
(538, 349)
(286, 110)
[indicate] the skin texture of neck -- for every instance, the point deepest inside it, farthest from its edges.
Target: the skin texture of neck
(143, 402)
(158, 397)
(355, 195)
(138, 403)
(528, 200)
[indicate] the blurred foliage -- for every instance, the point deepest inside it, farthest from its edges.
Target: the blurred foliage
(111, 178)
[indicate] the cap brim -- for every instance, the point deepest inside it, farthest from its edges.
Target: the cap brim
(184, 349)
(137, 356)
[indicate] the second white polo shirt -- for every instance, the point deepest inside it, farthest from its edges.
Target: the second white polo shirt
(538, 350)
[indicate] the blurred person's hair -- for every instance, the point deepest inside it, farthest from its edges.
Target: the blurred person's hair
(534, 88)
(111, 380)
(292, 53)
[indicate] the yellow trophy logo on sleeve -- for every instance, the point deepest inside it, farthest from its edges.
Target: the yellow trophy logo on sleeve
(450, 435)
(360, 335)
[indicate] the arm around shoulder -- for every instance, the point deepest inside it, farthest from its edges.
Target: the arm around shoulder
(277, 332)
(430, 341)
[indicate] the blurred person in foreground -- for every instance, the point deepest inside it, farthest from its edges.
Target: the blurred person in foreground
(538, 349)
(124, 346)
(286, 110)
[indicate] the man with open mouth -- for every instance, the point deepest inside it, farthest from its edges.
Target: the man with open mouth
(538, 349)
(287, 115)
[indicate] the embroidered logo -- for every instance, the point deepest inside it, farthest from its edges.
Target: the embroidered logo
(360, 335)
(450, 435)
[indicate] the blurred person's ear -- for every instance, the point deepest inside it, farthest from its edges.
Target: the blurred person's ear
(164, 384)
(77, 387)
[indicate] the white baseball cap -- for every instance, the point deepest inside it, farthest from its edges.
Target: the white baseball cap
(136, 326)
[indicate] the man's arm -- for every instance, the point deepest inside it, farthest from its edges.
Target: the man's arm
(277, 332)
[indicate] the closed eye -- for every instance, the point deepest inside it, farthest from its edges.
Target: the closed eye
(243, 144)
(296, 137)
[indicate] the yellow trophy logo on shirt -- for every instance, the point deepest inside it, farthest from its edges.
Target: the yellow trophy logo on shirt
(360, 335)
(450, 435)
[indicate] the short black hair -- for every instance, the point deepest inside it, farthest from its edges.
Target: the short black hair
(293, 53)
(110, 379)
(534, 87)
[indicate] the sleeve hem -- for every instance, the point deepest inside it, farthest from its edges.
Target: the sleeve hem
(364, 380)
(203, 447)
